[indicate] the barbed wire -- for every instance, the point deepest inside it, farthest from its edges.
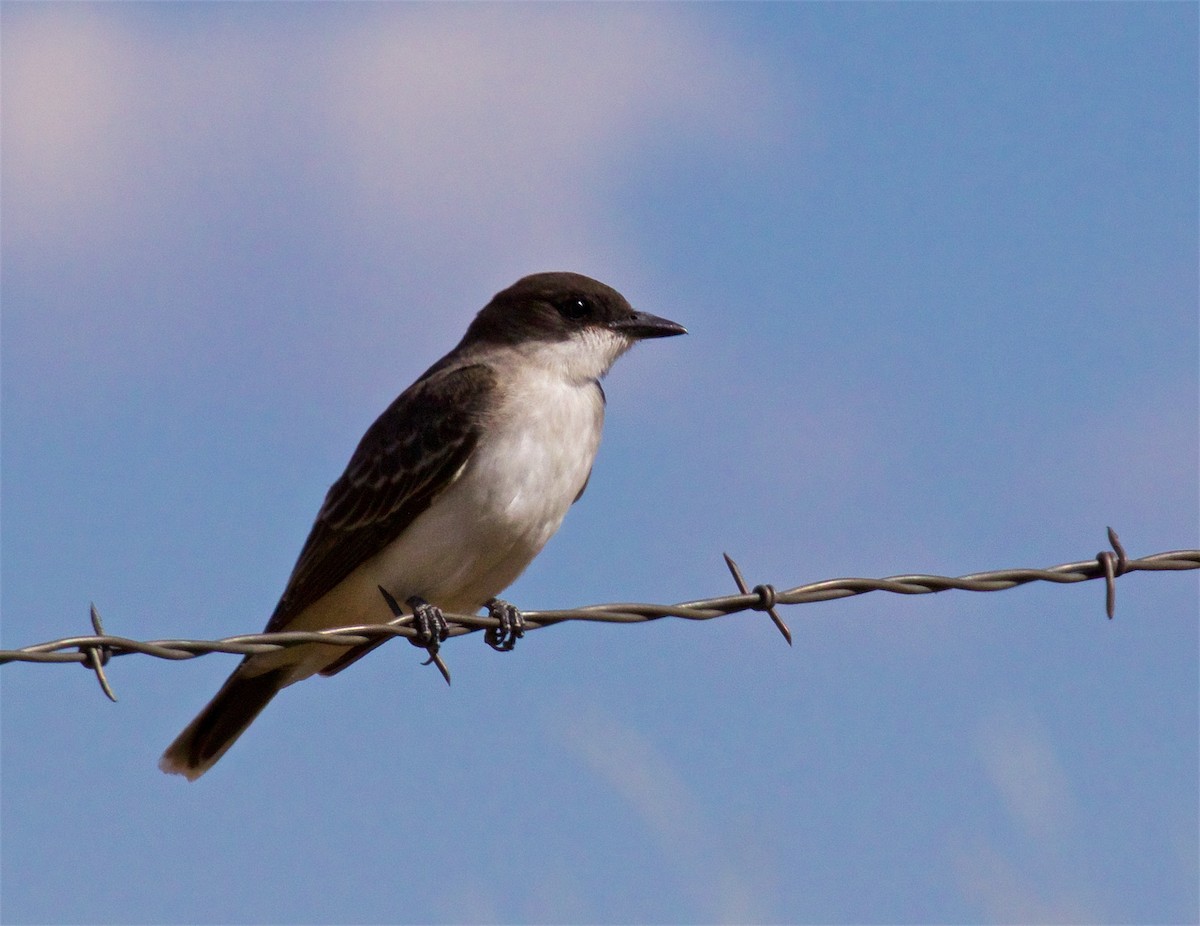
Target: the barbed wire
(94, 651)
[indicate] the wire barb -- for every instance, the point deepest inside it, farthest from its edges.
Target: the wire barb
(95, 651)
(98, 655)
(1112, 570)
(766, 597)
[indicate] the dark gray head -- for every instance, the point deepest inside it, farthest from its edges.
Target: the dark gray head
(549, 307)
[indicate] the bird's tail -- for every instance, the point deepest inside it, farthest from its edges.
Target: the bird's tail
(222, 721)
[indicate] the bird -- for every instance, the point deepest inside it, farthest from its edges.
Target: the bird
(449, 495)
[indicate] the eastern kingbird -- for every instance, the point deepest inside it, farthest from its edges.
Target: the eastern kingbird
(450, 494)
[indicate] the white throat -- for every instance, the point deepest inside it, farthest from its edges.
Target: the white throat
(581, 358)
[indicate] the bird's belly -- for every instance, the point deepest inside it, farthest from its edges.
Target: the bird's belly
(481, 533)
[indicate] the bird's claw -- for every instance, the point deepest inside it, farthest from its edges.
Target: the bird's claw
(430, 626)
(512, 626)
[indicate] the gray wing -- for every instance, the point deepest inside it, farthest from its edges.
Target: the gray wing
(412, 452)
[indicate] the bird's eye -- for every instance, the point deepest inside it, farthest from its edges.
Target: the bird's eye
(575, 308)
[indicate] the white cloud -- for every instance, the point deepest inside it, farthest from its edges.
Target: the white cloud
(727, 877)
(154, 169)
(487, 126)
(114, 127)
(1041, 885)
(1022, 764)
(1005, 894)
(498, 121)
(66, 73)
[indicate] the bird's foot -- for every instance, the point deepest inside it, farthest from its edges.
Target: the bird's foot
(430, 626)
(511, 629)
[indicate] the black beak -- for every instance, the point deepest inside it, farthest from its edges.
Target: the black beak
(645, 325)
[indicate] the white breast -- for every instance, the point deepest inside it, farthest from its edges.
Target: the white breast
(527, 469)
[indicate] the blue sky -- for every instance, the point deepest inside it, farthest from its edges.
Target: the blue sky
(939, 266)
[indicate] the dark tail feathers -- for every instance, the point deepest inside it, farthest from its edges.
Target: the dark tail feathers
(222, 721)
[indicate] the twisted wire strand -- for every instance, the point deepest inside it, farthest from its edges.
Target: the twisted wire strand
(95, 650)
